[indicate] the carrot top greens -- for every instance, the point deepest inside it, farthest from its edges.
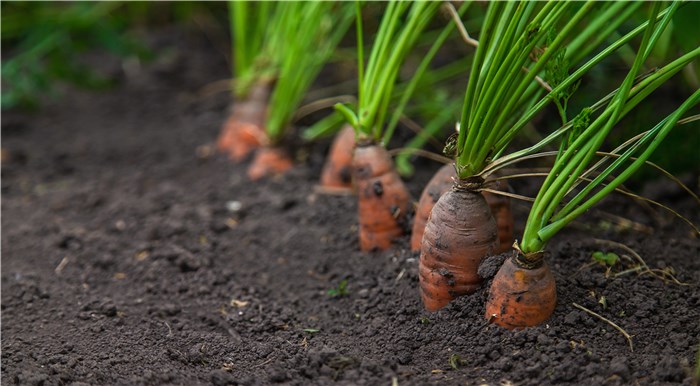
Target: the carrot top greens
(401, 26)
(572, 167)
(522, 50)
(248, 24)
(286, 44)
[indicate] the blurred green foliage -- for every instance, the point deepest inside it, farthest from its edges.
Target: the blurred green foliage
(41, 42)
(679, 152)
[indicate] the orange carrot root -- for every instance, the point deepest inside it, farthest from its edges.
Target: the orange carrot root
(269, 161)
(238, 139)
(337, 171)
(244, 130)
(500, 207)
(383, 200)
(520, 296)
(460, 233)
(441, 182)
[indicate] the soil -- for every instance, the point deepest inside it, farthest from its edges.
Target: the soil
(133, 255)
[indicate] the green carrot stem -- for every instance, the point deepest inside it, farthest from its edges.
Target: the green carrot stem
(601, 27)
(659, 133)
(418, 75)
(421, 14)
(565, 172)
(360, 54)
(567, 30)
(498, 65)
(581, 158)
(466, 134)
(668, 71)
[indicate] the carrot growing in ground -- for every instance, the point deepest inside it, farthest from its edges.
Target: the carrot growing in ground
(296, 39)
(523, 292)
(504, 85)
(336, 173)
(243, 130)
(303, 37)
(383, 200)
(336, 176)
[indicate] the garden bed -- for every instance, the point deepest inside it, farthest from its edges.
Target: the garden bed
(132, 255)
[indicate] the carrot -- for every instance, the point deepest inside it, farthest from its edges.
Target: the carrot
(500, 208)
(442, 181)
(269, 161)
(383, 200)
(460, 232)
(244, 130)
(523, 293)
(337, 171)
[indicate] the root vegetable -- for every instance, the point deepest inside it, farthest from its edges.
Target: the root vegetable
(500, 208)
(523, 294)
(441, 183)
(337, 171)
(460, 233)
(243, 131)
(269, 161)
(383, 200)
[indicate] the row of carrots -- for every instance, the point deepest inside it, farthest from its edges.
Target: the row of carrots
(464, 214)
(385, 205)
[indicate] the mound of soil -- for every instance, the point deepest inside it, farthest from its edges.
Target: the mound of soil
(133, 255)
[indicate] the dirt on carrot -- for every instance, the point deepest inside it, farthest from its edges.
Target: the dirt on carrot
(383, 200)
(460, 233)
(337, 171)
(522, 294)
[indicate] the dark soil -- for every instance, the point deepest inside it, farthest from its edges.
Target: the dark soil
(132, 256)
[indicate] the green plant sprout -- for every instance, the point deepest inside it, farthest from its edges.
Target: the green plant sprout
(290, 55)
(431, 101)
(608, 259)
(548, 217)
(340, 290)
(496, 93)
(249, 22)
(456, 361)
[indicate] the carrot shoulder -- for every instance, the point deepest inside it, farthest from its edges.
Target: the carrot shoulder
(337, 171)
(442, 181)
(383, 200)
